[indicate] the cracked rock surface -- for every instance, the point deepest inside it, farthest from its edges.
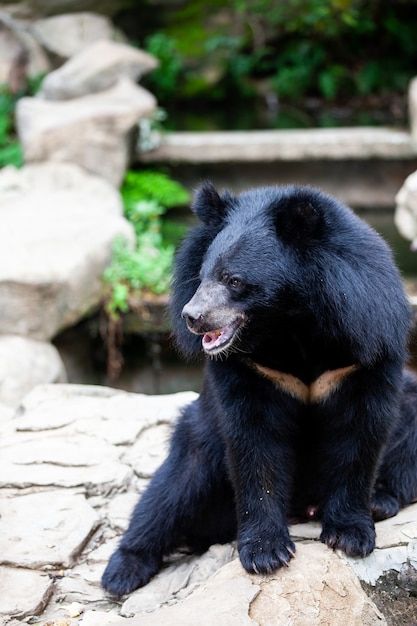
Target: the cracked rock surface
(73, 460)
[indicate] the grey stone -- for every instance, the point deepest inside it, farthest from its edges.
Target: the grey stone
(20, 55)
(23, 592)
(44, 529)
(92, 131)
(96, 68)
(406, 208)
(57, 227)
(66, 34)
(25, 363)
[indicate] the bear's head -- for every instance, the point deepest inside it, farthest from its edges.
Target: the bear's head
(272, 260)
(248, 261)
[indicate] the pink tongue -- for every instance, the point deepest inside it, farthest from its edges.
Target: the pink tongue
(210, 340)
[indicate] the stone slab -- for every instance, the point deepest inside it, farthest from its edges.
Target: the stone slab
(23, 592)
(282, 145)
(44, 530)
(62, 461)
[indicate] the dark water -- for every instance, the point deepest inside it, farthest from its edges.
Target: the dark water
(270, 113)
(383, 223)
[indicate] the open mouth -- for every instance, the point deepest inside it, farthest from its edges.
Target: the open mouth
(216, 341)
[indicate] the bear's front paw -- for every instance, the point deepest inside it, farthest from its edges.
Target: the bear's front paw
(266, 553)
(126, 571)
(356, 539)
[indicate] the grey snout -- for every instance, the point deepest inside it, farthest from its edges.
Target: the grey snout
(193, 316)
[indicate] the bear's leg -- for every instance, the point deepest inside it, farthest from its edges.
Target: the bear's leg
(396, 484)
(258, 431)
(356, 423)
(186, 486)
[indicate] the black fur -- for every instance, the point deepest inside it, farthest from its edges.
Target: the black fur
(290, 280)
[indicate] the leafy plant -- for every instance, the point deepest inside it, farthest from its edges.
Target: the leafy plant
(145, 268)
(10, 149)
(171, 65)
(246, 52)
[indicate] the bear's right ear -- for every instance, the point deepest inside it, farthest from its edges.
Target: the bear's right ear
(209, 206)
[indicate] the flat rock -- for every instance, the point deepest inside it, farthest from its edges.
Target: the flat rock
(96, 68)
(62, 461)
(57, 227)
(149, 451)
(25, 363)
(318, 588)
(177, 581)
(67, 488)
(92, 131)
(37, 586)
(60, 525)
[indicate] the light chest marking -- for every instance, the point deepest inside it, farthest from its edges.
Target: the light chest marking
(317, 391)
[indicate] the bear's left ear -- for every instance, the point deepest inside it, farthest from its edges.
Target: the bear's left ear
(298, 219)
(209, 206)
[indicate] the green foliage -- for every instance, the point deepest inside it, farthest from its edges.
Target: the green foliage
(145, 268)
(238, 51)
(10, 150)
(151, 185)
(164, 80)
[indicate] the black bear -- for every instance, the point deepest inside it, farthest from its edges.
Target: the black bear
(306, 408)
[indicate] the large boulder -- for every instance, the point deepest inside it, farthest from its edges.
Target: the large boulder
(92, 131)
(66, 34)
(406, 209)
(25, 363)
(57, 225)
(95, 68)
